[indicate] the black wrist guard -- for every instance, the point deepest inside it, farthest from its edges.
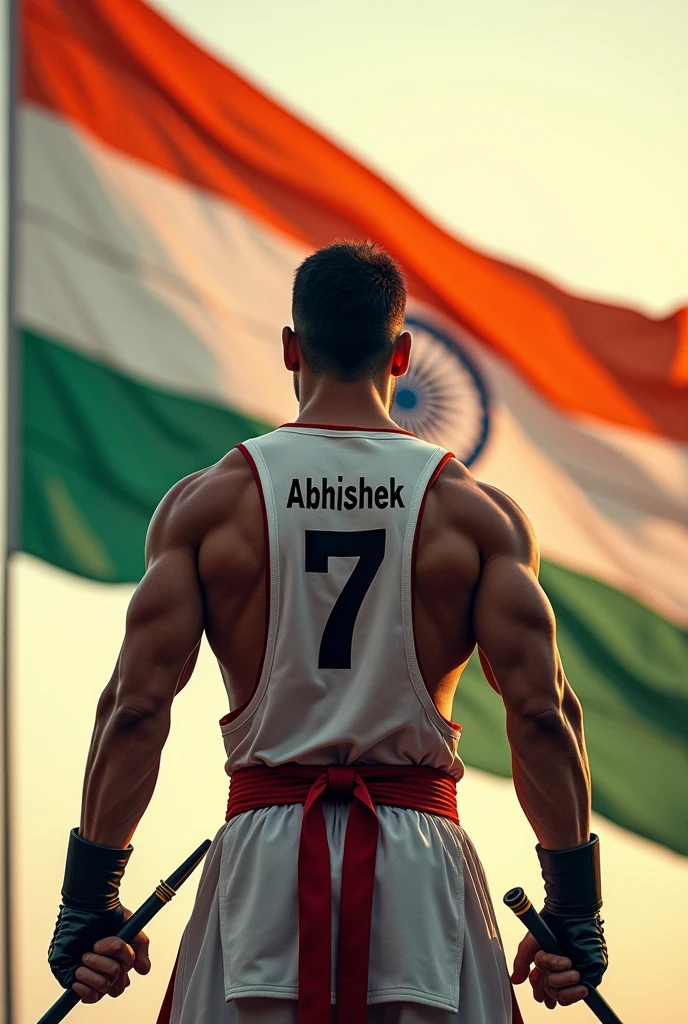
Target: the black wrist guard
(90, 908)
(572, 878)
(572, 903)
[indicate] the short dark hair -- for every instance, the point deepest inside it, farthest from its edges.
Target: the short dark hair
(348, 308)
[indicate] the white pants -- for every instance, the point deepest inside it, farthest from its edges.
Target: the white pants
(200, 991)
(284, 1011)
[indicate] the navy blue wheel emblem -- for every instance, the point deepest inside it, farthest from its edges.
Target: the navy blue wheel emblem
(443, 397)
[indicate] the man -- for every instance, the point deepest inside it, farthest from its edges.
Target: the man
(343, 572)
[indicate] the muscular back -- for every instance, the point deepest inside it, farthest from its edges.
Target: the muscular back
(464, 524)
(475, 582)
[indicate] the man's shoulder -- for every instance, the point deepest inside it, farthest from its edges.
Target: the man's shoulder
(198, 502)
(494, 520)
(457, 487)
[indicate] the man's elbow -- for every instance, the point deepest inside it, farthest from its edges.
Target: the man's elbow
(139, 715)
(542, 717)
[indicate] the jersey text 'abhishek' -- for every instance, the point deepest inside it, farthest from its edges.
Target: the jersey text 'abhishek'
(345, 497)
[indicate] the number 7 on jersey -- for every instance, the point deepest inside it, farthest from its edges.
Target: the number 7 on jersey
(321, 545)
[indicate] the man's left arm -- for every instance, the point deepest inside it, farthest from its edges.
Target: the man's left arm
(164, 627)
(163, 632)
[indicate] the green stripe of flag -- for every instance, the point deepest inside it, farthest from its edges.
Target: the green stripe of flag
(101, 449)
(628, 668)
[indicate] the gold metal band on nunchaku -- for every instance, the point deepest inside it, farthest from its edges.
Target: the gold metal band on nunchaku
(164, 891)
(516, 900)
(522, 907)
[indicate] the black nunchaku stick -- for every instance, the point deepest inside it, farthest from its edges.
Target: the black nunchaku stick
(155, 902)
(517, 901)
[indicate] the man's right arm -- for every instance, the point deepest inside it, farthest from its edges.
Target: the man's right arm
(515, 630)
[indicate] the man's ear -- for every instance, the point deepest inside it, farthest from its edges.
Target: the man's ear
(402, 354)
(292, 351)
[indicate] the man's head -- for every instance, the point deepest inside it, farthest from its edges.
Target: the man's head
(348, 309)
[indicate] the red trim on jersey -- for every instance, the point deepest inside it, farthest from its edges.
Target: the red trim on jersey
(438, 469)
(488, 673)
(336, 426)
(266, 541)
(361, 786)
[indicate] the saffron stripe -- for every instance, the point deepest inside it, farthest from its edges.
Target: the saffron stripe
(213, 130)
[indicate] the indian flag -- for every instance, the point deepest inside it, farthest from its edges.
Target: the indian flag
(166, 203)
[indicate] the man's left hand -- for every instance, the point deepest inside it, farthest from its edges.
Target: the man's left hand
(105, 971)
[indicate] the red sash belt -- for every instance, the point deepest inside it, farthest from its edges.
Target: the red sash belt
(416, 787)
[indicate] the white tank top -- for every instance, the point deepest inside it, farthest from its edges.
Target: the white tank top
(340, 680)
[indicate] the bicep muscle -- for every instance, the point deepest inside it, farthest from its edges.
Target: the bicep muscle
(163, 633)
(514, 623)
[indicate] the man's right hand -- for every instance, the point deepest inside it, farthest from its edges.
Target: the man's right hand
(572, 904)
(553, 978)
(582, 939)
(573, 900)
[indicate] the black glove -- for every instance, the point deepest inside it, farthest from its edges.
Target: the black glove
(90, 908)
(572, 904)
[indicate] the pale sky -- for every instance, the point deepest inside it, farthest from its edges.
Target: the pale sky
(552, 134)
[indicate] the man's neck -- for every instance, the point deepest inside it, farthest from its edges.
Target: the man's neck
(356, 404)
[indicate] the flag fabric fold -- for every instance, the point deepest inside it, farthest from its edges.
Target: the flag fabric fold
(166, 202)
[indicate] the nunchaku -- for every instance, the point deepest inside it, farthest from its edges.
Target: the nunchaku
(155, 902)
(517, 901)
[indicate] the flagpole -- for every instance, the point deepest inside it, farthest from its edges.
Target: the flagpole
(12, 492)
